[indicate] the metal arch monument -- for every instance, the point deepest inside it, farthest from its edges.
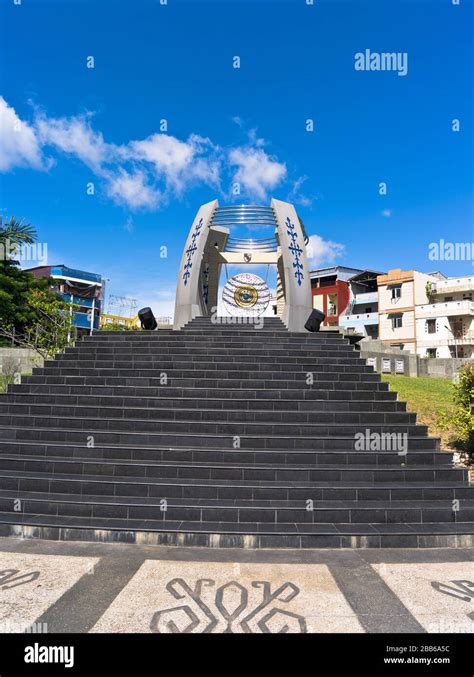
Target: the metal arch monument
(209, 246)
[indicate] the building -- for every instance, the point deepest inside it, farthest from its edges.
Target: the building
(330, 290)
(84, 290)
(445, 321)
(399, 293)
(361, 314)
(125, 322)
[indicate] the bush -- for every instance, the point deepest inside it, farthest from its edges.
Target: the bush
(460, 421)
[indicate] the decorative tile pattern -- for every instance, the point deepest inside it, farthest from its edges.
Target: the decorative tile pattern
(190, 251)
(439, 595)
(205, 284)
(30, 584)
(216, 597)
(296, 250)
(231, 600)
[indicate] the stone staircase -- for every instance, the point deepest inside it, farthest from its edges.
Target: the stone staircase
(213, 436)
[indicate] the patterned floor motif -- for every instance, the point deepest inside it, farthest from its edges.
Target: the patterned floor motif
(64, 587)
(30, 584)
(439, 596)
(226, 597)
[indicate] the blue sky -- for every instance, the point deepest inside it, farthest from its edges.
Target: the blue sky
(227, 125)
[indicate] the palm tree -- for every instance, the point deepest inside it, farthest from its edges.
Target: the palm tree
(17, 232)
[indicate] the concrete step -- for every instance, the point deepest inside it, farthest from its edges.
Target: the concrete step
(242, 512)
(217, 371)
(240, 457)
(377, 482)
(160, 363)
(121, 403)
(228, 470)
(88, 434)
(346, 381)
(220, 352)
(351, 392)
(215, 426)
(203, 414)
(248, 535)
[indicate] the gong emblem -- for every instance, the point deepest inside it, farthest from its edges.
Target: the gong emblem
(246, 294)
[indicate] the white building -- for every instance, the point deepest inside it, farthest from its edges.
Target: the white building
(445, 323)
(361, 314)
(400, 293)
(427, 313)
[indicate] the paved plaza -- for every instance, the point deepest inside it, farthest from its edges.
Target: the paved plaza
(90, 587)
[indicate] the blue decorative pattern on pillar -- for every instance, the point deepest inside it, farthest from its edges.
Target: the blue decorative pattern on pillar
(190, 252)
(205, 284)
(296, 250)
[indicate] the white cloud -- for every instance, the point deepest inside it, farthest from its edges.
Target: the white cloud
(387, 213)
(296, 196)
(254, 139)
(257, 171)
(75, 136)
(180, 163)
(128, 225)
(168, 154)
(142, 173)
(19, 146)
(132, 190)
(323, 251)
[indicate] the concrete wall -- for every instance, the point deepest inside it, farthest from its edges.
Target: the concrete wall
(388, 360)
(439, 367)
(26, 359)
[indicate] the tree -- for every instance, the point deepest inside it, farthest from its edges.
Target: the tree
(460, 421)
(15, 285)
(31, 315)
(49, 327)
(14, 282)
(17, 232)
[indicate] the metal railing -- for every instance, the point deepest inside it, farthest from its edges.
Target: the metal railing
(250, 216)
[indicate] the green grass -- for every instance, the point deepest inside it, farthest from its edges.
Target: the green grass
(428, 397)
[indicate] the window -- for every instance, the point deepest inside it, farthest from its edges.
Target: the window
(397, 321)
(431, 326)
(447, 299)
(431, 352)
(396, 292)
(332, 304)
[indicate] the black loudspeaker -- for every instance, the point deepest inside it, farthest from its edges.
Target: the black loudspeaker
(147, 319)
(314, 320)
